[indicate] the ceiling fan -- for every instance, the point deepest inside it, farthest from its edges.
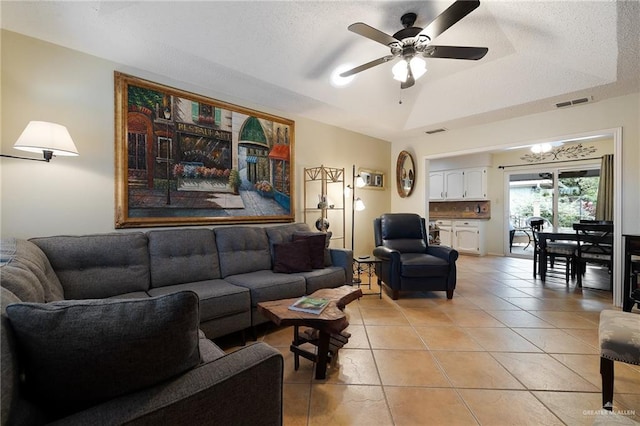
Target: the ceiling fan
(412, 42)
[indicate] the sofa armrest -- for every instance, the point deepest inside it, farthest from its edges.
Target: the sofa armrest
(443, 252)
(243, 387)
(343, 258)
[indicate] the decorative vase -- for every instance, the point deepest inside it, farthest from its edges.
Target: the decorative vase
(322, 224)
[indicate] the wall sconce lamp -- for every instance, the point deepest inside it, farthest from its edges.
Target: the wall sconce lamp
(49, 138)
(356, 203)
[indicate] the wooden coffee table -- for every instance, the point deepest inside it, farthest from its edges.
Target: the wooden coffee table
(332, 321)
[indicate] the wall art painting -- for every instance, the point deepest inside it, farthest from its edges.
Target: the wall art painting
(185, 159)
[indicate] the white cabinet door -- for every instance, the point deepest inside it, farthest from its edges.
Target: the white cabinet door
(445, 231)
(446, 236)
(467, 239)
(475, 184)
(469, 236)
(454, 184)
(436, 186)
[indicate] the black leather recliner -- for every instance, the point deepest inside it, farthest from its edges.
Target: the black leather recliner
(409, 263)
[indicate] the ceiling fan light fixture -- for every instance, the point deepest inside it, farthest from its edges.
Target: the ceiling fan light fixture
(337, 80)
(400, 71)
(418, 67)
(541, 148)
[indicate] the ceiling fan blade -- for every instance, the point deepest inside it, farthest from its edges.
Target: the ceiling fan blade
(366, 66)
(456, 52)
(371, 33)
(410, 80)
(450, 16)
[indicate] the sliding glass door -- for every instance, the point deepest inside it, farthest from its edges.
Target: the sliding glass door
(561, 196)
(577, 196)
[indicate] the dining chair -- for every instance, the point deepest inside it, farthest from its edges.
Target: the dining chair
(595, 245)
(553, 247)
(536, 227)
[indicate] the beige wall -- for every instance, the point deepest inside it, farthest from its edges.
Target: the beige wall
(623, 111)
(75, 195)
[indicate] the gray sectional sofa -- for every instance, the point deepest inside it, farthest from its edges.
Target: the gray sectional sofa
(229, 269)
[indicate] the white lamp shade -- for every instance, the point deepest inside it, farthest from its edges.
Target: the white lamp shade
(418, 67)
(358, 205)
(400, 71)
(41, 136)
(360, 182)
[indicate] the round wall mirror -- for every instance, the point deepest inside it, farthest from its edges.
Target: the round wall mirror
(405, 174)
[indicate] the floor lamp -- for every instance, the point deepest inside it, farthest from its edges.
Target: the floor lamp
(356, 203)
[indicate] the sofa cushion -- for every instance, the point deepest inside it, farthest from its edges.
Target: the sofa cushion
(242, 249)
(132, 295)
(78, 353)
(267, 285)
(218, 298)
(318, 244)
(284, 233)
(26, 255)
(332, 276)
(209, 351)
(98, 266)
(21, 282)
(292, 257)
(180, 256)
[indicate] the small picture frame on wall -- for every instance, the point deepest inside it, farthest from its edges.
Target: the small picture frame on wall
(373, 179)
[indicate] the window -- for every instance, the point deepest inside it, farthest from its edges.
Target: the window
(164, 148)
(562, 196)
(137, 149)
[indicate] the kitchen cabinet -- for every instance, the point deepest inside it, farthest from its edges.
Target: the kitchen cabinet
(436, 186)
(475, 184)
(469, 236)
(454, 185)
(466, 236)
(459, 184)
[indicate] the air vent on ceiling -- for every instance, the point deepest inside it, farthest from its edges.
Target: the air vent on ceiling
(574, 102)
(431, 132)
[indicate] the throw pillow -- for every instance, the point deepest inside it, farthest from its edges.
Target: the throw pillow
(292, 257)
(316, 242)
(328, 234)
(81, 352)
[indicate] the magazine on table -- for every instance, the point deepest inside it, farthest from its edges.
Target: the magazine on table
(312, 305)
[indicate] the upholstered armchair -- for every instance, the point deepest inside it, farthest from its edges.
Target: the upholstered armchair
(408, 262)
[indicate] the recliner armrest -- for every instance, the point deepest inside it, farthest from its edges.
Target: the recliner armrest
(443, 252)
(385, 253)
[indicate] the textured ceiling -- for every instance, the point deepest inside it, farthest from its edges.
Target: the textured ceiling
(281, 54)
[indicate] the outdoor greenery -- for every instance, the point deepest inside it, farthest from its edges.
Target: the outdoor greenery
(577, 199)
(144, 97)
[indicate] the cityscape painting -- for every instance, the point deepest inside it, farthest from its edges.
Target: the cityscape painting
(185, 159)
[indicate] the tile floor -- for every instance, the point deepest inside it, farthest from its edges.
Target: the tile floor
(506, 350)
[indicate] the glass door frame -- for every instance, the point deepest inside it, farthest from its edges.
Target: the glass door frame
(555, 176)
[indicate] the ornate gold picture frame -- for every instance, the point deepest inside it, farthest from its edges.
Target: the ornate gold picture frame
(185, 159)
